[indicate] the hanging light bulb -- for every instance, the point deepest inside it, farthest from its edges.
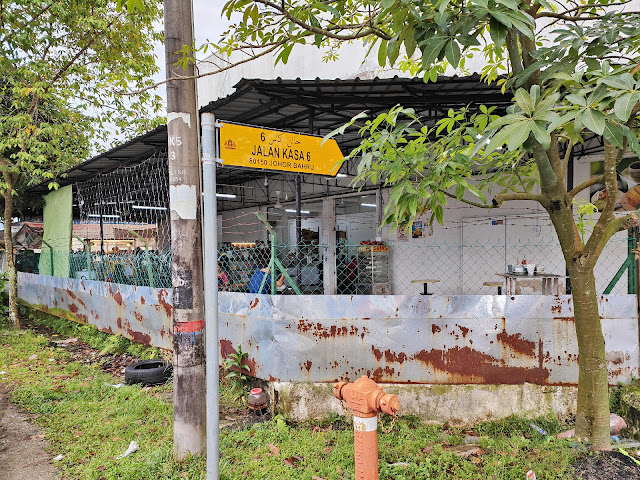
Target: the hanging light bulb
(266, 181)
(278, 204)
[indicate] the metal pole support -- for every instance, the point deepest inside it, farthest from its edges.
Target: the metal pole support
(210, 242)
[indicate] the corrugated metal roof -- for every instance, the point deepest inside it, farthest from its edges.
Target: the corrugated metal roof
(301, 105)
(130, 153)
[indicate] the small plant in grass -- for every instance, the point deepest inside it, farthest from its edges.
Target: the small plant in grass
(237, 372)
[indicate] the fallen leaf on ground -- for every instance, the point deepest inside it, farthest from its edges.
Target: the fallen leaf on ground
(293, 461)
(339, 470)
(315, 477)
(326, 450)
(274, 450)
(427, 449)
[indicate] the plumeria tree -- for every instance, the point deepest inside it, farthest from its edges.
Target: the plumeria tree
(63, 63)
(571, 68)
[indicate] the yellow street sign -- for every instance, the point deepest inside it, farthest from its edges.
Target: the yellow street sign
(256, 147)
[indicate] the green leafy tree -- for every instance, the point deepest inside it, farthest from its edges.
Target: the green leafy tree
(572, 68)
(62, 64)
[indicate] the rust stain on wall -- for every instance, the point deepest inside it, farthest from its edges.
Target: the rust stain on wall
(226, 348)
(319, 331)
(307, 365)
(139, 337)
(116, 296)
(464, 330)
(253, 304)
(389, 356)
(468, 365)
(162, 300)
(250, 364)
(435, 329)
(517, 343)
(380, 374)
(376, 353)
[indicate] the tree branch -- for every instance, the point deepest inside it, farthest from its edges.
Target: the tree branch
(73, 60)
(327, 33)
(554, 157)
(576, 18)
(514, 52)
(25, 25)
(469, 202)
(597, 180)
(499, 199)
(614, 226)
(596, 5)
(611, 186)
(567, 157)
(191, 77)
(548, 176)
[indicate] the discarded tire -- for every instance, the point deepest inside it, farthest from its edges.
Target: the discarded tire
(148, 372)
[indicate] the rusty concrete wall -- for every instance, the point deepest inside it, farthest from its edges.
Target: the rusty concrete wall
(466, 339)
(142, 314)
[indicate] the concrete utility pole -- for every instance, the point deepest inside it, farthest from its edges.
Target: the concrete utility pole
(189, 420)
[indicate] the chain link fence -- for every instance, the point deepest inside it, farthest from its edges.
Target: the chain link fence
(369, 268)
(375, 268)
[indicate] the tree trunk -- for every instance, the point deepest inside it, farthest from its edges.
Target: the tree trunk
(11, 264)
(592, 417)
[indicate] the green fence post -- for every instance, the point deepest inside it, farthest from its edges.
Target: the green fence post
(87, 251)
(50, 254)
(274, 259)
(147, 256)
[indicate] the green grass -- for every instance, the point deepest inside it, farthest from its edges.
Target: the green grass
(90, 423)
(104, 342)
(508, 453)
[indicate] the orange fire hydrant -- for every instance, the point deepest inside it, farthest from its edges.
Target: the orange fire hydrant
(366, 400)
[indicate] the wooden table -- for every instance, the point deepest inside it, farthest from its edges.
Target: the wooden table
(495, 284)
(511, 279)
(425, 283)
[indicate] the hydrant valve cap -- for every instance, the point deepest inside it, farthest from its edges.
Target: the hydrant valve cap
(337, 389)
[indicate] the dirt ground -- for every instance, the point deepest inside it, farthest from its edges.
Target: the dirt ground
(22, 446)
(607, 466)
